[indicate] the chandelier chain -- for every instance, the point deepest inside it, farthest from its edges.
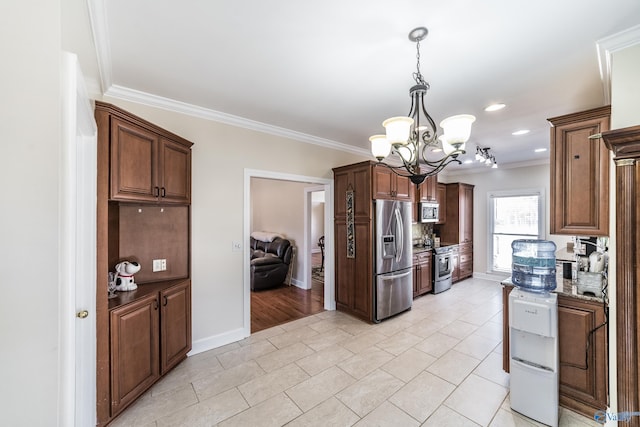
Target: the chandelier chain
(417, 76)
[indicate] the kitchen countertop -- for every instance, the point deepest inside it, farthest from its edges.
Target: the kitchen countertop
(565, 287)
(419, 249)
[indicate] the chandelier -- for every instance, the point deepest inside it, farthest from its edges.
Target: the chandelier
(483, 156)
(415, 139)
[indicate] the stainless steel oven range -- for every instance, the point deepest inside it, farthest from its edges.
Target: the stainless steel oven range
(442, 269)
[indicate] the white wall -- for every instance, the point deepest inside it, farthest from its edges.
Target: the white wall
(502, 179)
(278, 206)
(317, 219)
(30, 133)
(625, 88)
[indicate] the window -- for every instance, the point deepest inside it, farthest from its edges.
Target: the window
(513, 215)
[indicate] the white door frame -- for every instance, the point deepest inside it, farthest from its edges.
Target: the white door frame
(308, 243)
(329, 290)
(77, 255)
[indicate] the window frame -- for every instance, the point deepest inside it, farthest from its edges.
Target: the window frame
(542, 220)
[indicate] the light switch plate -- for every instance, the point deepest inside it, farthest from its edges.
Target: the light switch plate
(236, 247)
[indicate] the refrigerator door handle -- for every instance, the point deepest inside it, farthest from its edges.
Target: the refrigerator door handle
(399, 235)
(395, 276)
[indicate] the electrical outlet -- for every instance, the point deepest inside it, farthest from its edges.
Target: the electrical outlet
(159, 265)
(236, 246)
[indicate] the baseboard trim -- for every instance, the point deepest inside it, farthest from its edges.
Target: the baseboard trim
(215, 341)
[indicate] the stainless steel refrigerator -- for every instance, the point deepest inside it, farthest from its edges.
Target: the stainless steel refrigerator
(393, 268)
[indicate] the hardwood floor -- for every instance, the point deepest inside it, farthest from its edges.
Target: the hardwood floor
(280, 305)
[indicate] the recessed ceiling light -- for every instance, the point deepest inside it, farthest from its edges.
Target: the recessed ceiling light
(466, 162)
(436, 150)
(520, 132)
(495, 107)
(540, 150)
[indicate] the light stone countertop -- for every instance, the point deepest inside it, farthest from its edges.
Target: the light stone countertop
(565, 287)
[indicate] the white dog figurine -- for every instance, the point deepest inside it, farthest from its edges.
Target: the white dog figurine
(124, 276)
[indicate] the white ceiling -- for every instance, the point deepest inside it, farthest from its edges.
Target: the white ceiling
(331, 71)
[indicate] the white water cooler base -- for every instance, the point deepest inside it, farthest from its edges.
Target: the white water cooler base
(534, 392)
(533, 346)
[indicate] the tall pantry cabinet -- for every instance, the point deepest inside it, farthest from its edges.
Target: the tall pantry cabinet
(143, 214)
(353, 222)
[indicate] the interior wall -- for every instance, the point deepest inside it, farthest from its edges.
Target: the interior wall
(502, 179)
(278, 206)
(217, 204)
(30, 131)
(625, 88)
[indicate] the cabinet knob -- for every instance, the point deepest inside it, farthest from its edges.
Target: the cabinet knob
(82, 314)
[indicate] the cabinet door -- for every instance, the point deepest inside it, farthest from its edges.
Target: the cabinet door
(134, 174)
(466, 213)
(580, 174)
(134, 350)
(441, 198)
(428, 189)
(175, 325)
(383, 183)
(583, 359)
(404, 188)
(425, 274)
(416, 276)
(175, 171)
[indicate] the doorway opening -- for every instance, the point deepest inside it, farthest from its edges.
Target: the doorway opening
(289, 205)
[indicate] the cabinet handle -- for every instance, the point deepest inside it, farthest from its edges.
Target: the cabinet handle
(156, 191)
(155, 304)
(164, 192)
(166, 301)
(576, 156)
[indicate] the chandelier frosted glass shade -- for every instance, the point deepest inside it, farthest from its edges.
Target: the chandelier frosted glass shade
(457, 129)
(380, 147)
(398, 129)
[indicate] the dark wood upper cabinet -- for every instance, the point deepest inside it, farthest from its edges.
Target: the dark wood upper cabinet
(441, 198)
(389, 185)
(148, 164)
(580, 174)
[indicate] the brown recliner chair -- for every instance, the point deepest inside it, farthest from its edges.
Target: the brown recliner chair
(269, 263)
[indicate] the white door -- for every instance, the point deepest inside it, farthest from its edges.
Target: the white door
(77, 259)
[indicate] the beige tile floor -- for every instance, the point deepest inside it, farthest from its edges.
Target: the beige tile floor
(439, 364)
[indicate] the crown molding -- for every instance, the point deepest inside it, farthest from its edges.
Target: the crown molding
(99, 28)
(608, 45)
(151, 100)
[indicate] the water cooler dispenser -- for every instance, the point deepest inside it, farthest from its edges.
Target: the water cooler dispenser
(533, 332)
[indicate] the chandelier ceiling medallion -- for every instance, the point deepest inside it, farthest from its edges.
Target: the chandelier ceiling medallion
(414, 138)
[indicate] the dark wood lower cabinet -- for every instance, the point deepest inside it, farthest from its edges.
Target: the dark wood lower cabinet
(583, 353)
(134, 350)
(149, 335)
(422, 273)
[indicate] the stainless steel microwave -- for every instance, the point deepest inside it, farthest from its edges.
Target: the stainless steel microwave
(429, 211)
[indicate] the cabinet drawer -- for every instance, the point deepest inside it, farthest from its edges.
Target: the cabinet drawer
(465, 258)
(466, 247)
(424, 257)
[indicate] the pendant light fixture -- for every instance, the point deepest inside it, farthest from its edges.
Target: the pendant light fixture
(414, 137)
